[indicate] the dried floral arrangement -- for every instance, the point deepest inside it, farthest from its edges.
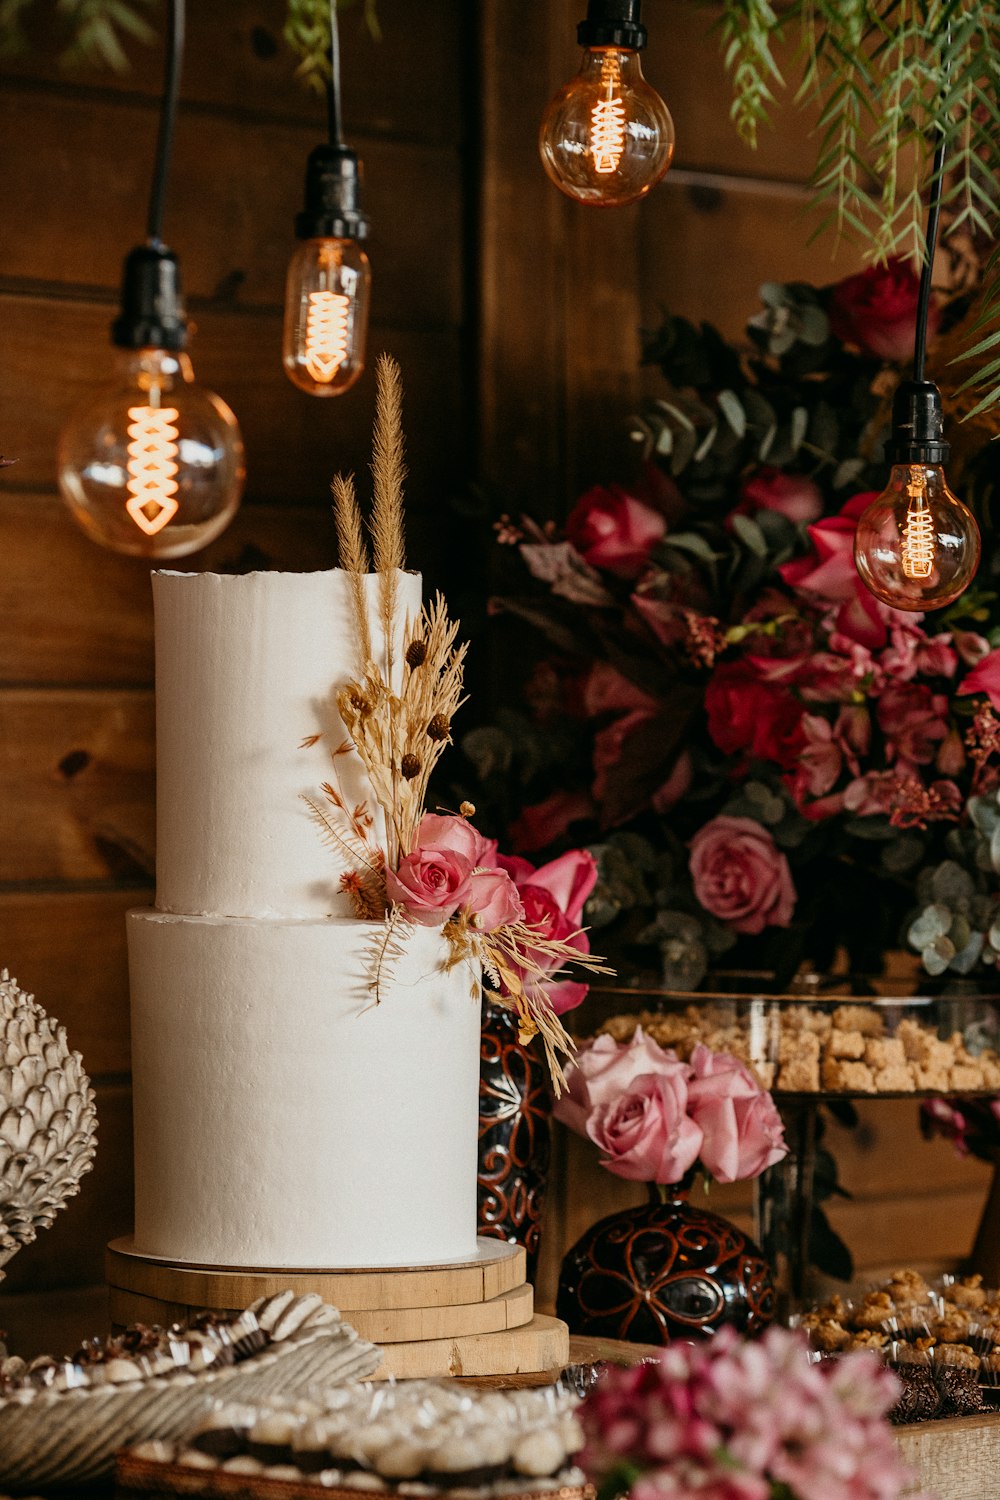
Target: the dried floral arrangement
(435, 869)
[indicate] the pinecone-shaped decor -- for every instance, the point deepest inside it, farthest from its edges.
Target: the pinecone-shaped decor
(47, 1119)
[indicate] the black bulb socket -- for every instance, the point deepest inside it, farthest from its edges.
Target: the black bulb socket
(152, 309)
(333, 197)
(612, 23)
(917, 425)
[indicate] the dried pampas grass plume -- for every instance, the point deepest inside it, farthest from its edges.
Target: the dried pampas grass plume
(389, 474)
(353, 556)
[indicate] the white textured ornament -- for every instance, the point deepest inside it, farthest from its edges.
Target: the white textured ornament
(48, 1121)
(247, 669)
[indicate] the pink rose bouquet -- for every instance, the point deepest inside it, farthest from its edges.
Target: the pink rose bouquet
(770, 767)
(655, 1118)
(730, 1420)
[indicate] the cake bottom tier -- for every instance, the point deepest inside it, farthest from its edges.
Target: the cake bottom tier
(282, 1118)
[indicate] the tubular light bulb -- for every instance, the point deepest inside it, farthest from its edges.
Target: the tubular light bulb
(326, 315)
(607, 137)
(153, 465)
(917, 546)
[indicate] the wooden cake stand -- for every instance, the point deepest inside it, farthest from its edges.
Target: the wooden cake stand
(472, 1318)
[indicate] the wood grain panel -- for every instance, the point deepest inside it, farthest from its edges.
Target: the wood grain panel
(71, 1253)
(93, 620)
(409, 84)
(76, 769)
(68, 948)
(706, 246)
(231, 225)
(294, 442)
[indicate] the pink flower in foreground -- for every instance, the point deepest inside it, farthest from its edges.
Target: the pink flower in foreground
(791, 495)
(743, 1133)
(877, 310)
(985, 678)
(553, 898)
(430, 885)
(646, 1135)
(493, 900)
(611, 529)
(741, 876)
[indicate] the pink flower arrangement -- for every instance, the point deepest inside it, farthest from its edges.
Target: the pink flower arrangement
(654, 1117)
(730, 1420)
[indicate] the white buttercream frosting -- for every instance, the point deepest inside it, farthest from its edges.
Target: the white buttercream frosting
(282, 1119)
(246, 671)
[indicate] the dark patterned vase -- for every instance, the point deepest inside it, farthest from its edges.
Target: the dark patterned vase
(662, 1271)
(514, 1135)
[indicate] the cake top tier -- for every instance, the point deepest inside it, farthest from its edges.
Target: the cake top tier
(247, 670)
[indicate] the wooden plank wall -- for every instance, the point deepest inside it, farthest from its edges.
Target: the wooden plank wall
(76, 710)
(515, 315)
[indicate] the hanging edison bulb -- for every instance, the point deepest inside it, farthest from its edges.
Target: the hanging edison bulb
(917, 546)
(329, 278)
(326, 315)
(152, 465)
(607, 137)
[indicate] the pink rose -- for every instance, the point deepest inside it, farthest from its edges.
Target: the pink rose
(743, 1133)
(605, 1070)
(553, 898)
(449, 831)
(791, 495)
(877, 310)
(430, 885)
(493, 900)
(740, 875)
(829, 574)
(985, 678)
(612, 529)
(646, 1134)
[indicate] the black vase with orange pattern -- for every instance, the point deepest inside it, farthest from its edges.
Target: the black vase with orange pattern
(662, 1271)
(515, 1105)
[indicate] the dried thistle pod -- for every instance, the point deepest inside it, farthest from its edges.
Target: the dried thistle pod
(47, 1119)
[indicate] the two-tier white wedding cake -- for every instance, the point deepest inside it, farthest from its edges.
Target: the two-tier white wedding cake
(282, 1118)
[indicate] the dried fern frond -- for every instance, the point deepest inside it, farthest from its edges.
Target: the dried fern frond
(353, 557)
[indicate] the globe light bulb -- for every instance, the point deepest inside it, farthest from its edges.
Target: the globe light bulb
(326, 315)
(917, 546)
(152, 465)
(607, 137)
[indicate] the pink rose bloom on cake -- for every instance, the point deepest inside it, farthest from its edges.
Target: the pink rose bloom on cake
(430, 884)
(655, 1117)
(741, 876)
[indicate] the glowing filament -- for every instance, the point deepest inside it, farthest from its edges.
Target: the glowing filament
(326, 335)
(607, 121)
(152, 464)
(917, 550)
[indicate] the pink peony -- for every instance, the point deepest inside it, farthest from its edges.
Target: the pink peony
(449, 831)
(877, 310)
(830, 574)
(740, 875)
(553, 898)
(791, 495)
(742, 1129)
(605, 1070)
(985, 678)
(430, 885)
(493, 900)
(612, 529)
(646, 1135)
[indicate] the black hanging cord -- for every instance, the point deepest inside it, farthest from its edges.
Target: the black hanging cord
(927, 270)
(168, 118)
(333, 87)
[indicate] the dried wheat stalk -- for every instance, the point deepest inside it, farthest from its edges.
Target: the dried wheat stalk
(353, 557)
(389, 474)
